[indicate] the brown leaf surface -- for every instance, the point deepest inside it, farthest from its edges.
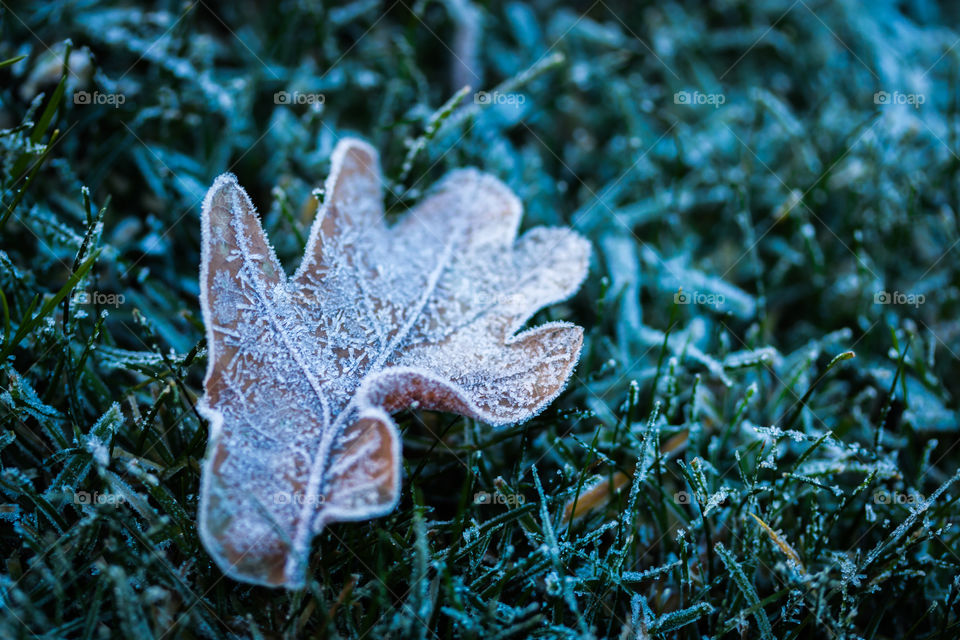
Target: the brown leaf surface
(305, 370)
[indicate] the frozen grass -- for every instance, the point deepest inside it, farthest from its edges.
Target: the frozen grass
(760, 437)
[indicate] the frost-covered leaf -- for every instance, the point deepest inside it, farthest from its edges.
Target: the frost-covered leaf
(304, 371)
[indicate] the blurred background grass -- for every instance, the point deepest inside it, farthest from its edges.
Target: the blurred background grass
(769, 187)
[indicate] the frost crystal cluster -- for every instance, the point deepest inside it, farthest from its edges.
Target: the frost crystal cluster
(305, 370)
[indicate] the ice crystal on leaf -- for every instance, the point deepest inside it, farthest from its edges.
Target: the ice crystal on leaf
(305, 370)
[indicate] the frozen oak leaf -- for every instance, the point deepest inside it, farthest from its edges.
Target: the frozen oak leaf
(305, 370)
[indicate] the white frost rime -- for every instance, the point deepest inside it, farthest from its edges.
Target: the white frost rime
(305, 370)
